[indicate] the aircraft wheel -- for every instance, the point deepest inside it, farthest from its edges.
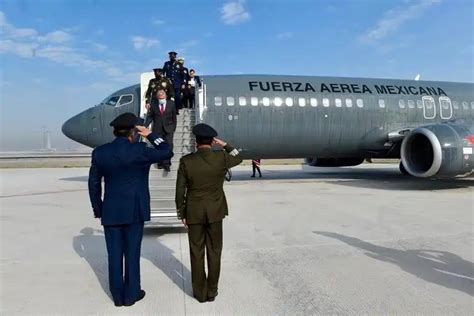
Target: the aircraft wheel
(403, 170)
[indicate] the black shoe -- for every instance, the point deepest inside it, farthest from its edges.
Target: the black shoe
(140, 297)
(117, 304)
(167, 168)
(252, 176)
(199, 299)
(211, 298)
(159, 166)
(260, 176)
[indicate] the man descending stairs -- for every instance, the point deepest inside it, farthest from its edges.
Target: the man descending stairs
(162, 183)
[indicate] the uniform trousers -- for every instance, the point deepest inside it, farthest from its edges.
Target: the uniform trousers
(205, 239)
(124, 242)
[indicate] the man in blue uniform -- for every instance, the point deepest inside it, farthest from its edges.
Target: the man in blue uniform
(124, 166)
(173, 70)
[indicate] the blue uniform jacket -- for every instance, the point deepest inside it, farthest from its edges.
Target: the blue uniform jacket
(175, 72)
(125, 167)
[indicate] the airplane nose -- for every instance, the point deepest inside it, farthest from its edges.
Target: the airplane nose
(74, 129)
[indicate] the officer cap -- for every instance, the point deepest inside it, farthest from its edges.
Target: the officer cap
(157, 69)
(172, 53)
(125, 120)
(204, 131)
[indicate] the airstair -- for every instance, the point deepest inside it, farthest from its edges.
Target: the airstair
(163, 183)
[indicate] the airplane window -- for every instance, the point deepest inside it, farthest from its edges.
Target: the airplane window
(465, 106)
(360, 103)
(411, 104)
(314, 102)
(278, 101)
(338, 103)
(444, 104)
(125, 99)
(242, 101)
(419, 104)
(218, 101)
(113, 100)
(230, 101)
(301, 101)
(401, 103)
(289, 101)
(349, 103)
(382, 103)
(254, 101)
(456, 104)
(326, 102)
(266, 101)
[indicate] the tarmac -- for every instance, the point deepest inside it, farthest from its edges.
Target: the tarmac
(299, 241)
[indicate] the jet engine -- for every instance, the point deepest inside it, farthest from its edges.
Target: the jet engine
(333, 162)
(441, 150)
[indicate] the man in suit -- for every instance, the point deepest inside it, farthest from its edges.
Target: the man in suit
(202, 205)
(163, 114)
(124, 166)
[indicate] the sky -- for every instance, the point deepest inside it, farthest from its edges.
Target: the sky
(58, 57)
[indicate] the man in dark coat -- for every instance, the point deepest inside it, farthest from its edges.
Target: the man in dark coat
(163, 114)
(173, 70)
(201, 205)
(124, 166)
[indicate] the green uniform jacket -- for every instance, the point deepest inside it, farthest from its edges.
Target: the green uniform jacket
(159, 83)
(200, 194)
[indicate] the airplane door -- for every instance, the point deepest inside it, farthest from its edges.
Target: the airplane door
(445, 108)
(200, 104)
(429, 109)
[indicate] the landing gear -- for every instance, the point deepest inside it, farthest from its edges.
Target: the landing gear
(403, 170)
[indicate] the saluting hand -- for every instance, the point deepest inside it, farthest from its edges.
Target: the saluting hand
(147, 106)
(143, 131)
(217, 141)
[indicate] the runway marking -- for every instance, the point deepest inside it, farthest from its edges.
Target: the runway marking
(41, 193)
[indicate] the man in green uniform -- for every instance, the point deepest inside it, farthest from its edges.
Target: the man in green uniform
(157, 83)
(201, 205)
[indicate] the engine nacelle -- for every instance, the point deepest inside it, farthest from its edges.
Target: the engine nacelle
(334, 162)
(442, 150)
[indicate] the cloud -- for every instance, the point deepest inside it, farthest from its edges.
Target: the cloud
(233, 12)
(285, 35)
(392, 20)
(157, 22)
(57, 47)
(25, 50)
(56, 37)
(9, 31)
(140, 42)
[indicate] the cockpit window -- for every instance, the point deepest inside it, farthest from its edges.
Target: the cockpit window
(118, 100)
(125, 99)
(112, 100)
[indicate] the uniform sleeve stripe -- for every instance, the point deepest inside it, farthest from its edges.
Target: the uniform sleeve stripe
(234, 152)
(159, 141)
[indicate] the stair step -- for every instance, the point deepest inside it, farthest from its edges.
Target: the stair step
(162, 193)
(163, 213)
(167, 203)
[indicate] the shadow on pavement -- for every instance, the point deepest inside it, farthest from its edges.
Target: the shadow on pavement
(439, 267)
(371, 178)
(78, 179)
(90, 245)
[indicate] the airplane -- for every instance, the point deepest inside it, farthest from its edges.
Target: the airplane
(329, 121)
